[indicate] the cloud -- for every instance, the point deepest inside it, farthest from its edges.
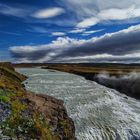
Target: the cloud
(110, 14)
(11, 33)
(91, 32)
(80, 8)
(75, 31)
(38, 29)
(58, 34)
(92, 12)
(84, 32)
(88, 22)
(81, 13)
(129, 58)
(13, 11)
(43, 30)
(111, 47)
(48, 13)
(23, 11)
(42, 53)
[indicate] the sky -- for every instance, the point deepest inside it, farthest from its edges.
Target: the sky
(70, 31)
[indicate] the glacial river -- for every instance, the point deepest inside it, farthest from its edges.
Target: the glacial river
(99, 113)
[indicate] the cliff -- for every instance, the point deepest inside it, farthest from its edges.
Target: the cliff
(26, 116)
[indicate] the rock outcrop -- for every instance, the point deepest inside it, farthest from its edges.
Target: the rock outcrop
(25, 115)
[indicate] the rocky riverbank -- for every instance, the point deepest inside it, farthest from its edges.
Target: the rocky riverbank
(26, 116)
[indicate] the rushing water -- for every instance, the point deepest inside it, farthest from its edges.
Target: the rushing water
(99, 113)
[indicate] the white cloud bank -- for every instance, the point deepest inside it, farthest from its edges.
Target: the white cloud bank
(122, 46)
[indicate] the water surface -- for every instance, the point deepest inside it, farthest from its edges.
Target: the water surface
(99, 113)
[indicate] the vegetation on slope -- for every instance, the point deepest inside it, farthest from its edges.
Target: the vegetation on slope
(26, 116)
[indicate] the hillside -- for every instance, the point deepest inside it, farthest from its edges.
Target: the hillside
(26, 116)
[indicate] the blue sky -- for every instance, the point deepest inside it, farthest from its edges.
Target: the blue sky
(70, 31)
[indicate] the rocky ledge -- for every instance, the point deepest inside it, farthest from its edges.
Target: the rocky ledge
(28, 116)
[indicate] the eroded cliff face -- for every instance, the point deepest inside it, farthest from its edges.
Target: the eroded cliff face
(26, 116)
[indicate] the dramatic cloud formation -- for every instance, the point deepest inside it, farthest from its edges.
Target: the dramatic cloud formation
(110, 14)
(114, 47)
(71, 30)
(81, 13)
(48, 13)
(92, 12)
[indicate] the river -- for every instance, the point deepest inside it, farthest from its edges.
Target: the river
(99, 113)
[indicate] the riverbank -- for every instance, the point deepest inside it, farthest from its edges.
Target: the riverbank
(123, 78)
(25, 115)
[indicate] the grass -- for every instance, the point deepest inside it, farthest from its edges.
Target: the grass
(18, 126)
(65, 125)
(44, 128)
(112, 70)
(6, 95)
